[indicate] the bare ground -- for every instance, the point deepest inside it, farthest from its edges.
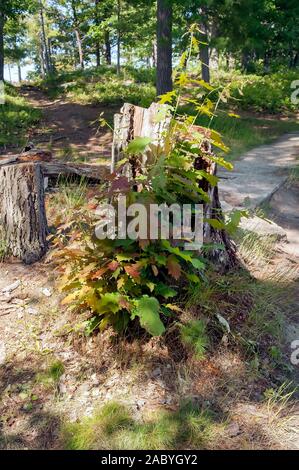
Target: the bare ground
(146, 375)
(69, 129)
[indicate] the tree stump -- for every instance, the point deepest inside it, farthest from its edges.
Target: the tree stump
(22, 211)
(134, 121)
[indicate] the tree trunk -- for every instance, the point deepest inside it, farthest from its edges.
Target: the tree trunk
(97, 23)
(164, 46)
(78, 36)
(204, 48)
(9, 73)
(22, 211)
(107, 48)
(44, 39)
(154, 54)
(80, 49)
(118, 36)
(19, 72)
(1, 46)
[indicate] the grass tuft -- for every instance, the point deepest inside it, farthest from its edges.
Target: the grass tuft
(114, 427)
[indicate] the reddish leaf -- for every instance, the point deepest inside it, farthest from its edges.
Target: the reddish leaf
(92, 206)
(99, 273)
(133, 270)
(174, 267)
(124, 303)
(113, 265)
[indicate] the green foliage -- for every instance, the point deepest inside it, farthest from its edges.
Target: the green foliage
(50, 377)
(56, 370)
(103, 86)
(16, 117)
(263, 93)
(113, 427)
(194, 336)
(121, 279)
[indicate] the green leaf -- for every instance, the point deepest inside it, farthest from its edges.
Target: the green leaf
(216, 224)
(109, 302)
(138, 145)
(197, 264)
(147, 309)
(165, 291)
(193, 278)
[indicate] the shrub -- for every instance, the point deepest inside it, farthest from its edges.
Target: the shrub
(267, 93)
(16, 117)
(121, 280)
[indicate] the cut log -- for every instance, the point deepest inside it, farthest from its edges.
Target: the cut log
(133, 122)
(96, 173)
(55, 168)
(22, 211)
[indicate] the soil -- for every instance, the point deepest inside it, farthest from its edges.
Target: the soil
(36, 331)
(70, 130)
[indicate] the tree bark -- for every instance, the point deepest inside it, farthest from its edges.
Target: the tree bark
(44, 39)
(19, 72)
(78, 36)
(164, 46)
(22, 211)
(118, 36)
(97, 23)
(204, 48)
(107, 48)
(1, 46)
(80, 49)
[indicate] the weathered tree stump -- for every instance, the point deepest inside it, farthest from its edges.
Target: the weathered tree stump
(22, 211)
(134, 121)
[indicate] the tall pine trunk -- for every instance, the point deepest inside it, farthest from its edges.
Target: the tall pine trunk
(107, 48)
(78, 36)
(80, 48)
(118, 36)
(97, 45)
(19, 72)
(204, 48)
(1, 46)
(46, 54)
(164, 46)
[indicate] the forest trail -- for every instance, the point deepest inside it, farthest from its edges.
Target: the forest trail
(33, 328)
(70, 130)
(263, 178)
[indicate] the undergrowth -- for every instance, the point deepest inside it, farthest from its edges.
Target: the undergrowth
(16, 117)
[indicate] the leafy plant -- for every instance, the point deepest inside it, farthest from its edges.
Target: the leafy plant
(120, 280)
